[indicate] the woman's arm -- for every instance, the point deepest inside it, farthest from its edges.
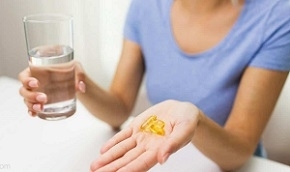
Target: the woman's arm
(229, 146)
(232, 145)
(114, 106)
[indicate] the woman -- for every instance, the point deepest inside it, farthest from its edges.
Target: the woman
(214, 70)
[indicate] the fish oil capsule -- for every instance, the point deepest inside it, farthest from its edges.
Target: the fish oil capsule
(146, 125)
(153, 125)
(159, 123)
(157, 129)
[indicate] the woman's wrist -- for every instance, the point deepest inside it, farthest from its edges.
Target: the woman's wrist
(200, 120)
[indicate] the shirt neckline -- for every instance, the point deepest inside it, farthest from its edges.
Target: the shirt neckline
(211, 50)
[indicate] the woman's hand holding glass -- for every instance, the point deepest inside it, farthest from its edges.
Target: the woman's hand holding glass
(135, 150)
(34, 100)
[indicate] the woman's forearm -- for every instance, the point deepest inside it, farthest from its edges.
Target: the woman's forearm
(103, 104)
(226, 149)
(230, 146)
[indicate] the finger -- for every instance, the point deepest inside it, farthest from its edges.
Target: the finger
(33, 114)
(143, 163)
(80, 74)
(34, 108)
(114, 153)
(119, 137)
(80, 77)
(124, 160)
(33, 97)
(29, 105)
(27, 80)
(81, 86)
(180, 136)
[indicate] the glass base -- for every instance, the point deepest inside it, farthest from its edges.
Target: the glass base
(58, 111)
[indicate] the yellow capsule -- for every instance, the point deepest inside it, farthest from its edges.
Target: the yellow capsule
(157, 129)
(159, 123)
(153, 125)
(146, 125)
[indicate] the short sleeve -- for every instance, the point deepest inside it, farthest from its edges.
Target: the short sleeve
(131, 31)
(275, 51)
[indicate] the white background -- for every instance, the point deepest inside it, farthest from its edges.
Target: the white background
(98, 26)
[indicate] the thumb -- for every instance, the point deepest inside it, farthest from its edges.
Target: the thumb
(81, 87)
(169, 147)
(80, 77)
(179, 137)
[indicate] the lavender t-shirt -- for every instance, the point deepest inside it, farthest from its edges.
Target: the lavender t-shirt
(260, 38)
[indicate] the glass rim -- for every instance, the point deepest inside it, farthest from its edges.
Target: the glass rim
(47, 18)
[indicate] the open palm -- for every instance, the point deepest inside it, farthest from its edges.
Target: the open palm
(134, 150)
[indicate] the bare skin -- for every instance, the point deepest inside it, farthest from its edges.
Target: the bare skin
(235, 142)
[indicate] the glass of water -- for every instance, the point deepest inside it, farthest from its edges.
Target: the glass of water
(49, 41)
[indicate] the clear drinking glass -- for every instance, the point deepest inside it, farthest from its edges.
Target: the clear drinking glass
(49, 41)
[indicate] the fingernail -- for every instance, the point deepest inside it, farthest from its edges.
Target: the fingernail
(41, 98)
(33, 83)
(36, 107)
(82, 86)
